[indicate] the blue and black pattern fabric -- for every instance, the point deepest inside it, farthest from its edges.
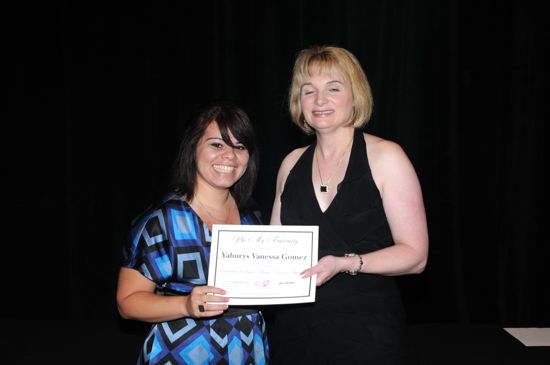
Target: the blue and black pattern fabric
(170, 245)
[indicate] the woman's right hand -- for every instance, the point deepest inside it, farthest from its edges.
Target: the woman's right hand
(206, 301)
(136, 299)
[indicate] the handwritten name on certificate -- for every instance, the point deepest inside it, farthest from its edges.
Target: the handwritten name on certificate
(258, 264)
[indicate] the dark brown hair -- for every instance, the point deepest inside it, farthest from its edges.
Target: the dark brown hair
(230, 118)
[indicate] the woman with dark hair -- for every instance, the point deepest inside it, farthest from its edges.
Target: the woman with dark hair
(165, 263)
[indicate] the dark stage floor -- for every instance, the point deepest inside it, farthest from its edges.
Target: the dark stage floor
(118, 342)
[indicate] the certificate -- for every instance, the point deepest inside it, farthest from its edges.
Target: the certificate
(258, 264)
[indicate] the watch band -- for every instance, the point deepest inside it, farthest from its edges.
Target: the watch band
(356, 271)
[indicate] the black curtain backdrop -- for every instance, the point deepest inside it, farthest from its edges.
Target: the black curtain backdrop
(99, 94)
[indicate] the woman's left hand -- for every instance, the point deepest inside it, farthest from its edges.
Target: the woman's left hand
(326, 268)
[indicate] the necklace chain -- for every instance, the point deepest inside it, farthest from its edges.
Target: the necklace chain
(211, 215)
(323, 188)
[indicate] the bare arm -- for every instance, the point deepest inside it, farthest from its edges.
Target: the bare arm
(287, 165)
(404, 207)
(136, 299)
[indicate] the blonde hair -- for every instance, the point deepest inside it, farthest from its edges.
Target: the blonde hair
(327, 58)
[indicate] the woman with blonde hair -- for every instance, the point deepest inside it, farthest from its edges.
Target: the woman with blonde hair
(363, 193)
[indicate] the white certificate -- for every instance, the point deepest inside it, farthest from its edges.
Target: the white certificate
(258, 264)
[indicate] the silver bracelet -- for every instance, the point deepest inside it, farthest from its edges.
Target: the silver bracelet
(354, 272)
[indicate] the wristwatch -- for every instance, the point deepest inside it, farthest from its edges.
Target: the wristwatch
(354, 272)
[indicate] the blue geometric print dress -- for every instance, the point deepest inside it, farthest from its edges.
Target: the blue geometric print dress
(170, 245)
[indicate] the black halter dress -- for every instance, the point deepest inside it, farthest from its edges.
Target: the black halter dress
(355, 319)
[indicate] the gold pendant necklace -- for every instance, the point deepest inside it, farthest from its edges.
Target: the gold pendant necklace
(324, 187)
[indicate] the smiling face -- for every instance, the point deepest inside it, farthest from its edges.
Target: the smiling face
(219, 165)
(326, 99)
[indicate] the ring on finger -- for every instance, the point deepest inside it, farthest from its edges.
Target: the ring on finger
(201, 308)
